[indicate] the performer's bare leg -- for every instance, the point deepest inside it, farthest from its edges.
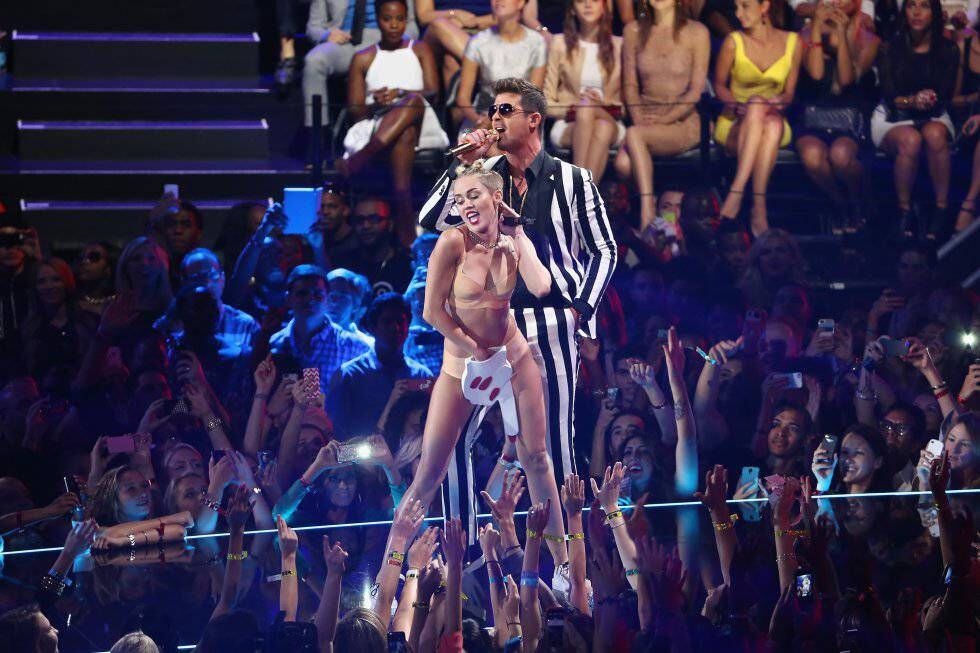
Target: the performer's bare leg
(533, 452)
(447, 415)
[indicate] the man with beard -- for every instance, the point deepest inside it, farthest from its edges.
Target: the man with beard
(332, 235)
(380, 258)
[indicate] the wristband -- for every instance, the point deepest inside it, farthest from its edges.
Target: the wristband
(237, 556)
(575, 536)
(52, 583)
(942, 393)
(722, 526)
(939, 386)
(555, 538)
(411, 573)
(529, 579)
(613, 514)
(213, 423)
(287, 572)
(400, 557)
(306, 484)
(632, 572)
(795, 533)
(710, 360)
(395, 563)
(420, 605)
(261, 396)
(532, 534)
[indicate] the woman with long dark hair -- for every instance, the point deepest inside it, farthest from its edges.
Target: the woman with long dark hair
(918, 70)
(755, 76)
(665, 68)
(56, 331)
(582, 85)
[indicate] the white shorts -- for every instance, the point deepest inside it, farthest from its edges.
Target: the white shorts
(558, 131)
(880, 125)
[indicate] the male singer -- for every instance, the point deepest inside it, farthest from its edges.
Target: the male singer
(564, 216)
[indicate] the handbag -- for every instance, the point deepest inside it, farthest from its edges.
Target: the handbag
(844, 120)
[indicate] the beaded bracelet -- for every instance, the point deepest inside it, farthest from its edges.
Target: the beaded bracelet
(237, 556)
(722, 526)
(575, 536)
(52, 583)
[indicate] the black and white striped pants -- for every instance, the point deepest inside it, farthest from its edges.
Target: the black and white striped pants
(550, 332)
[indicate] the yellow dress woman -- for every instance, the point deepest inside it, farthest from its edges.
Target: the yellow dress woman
(755, 77)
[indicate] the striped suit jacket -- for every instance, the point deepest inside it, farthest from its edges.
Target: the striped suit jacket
(566, 220)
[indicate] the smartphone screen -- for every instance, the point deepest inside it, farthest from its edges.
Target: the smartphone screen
(121, 444)
(804, 586)
(749, 475)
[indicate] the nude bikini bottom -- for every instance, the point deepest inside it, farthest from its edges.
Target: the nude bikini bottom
(517, 348)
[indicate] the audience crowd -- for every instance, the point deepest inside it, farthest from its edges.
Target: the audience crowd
(209, 446)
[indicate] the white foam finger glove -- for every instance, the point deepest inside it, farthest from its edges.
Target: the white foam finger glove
(486, 382)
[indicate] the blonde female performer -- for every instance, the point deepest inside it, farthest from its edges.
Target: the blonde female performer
(471, 277)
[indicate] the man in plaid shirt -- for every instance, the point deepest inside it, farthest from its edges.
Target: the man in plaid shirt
(311, 339)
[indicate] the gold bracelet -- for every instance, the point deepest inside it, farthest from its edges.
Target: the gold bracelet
(238, 556)
(576, 536)
(722, 526)
(287, 572)
(794, 532)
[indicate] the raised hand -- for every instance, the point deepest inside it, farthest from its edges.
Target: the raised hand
(421, 551)
(199, 404)
(637, 524)
(573, 495)
(408, 518)
(222, 472)
(537, 516)
(154, 417)
(430, 576)
(512, 601)
(288, 541)
(608, 494)
(265, 376)
(80, 537)
(63, 505)
(513, 490)
(674, 353)
(334, 556)
(454, 543)
(238, 509)
(823, 468)
(489, 541)
(606, 572)
(642, 373)
(721, 351)
(715, 489)
(939, 478)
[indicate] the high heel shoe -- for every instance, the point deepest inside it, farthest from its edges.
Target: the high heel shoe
(969, 208)
(732, 217)
(906, 223)
(937, 223)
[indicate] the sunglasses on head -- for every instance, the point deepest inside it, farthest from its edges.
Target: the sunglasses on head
(505, 109)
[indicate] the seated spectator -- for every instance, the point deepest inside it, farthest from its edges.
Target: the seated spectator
(94, 277)
(755, 77)
(582, 86)
(836, 77)
(359, 390)
(346, 300)
(18, 252)
(380, 258)
(965, 103)
(774, 261)
(311, 339)
(236, 330)
(331, 235)
(448, 25)
(665, 67)
(286, 69)
(336, 39)
(387, 91)
(56, 331)
(918, 72)
(424, 344)
(507, 49)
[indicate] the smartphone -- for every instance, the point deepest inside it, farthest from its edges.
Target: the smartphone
(829, 445)
(663, 335)
(753, 327)
(749, 475)
(804, 586)
(349, 453)
(121, 444)
(935, 447)
(419, 385)
(612, 394)
(895, 348)
(948, 576)
(172, 189)
(311, 381)
(264, 458)
(826, 324)
(795, 379)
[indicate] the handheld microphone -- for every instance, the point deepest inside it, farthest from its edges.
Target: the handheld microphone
(463, 148)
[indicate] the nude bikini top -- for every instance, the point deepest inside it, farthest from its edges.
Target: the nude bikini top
(479, 285)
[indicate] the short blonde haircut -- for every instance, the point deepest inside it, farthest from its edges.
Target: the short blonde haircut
(136, 642)
(490, 179)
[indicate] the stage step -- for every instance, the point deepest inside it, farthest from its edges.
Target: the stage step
(146, 140)
(67, 55)
(69, 224)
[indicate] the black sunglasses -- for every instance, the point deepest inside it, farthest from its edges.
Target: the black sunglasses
(505, 109)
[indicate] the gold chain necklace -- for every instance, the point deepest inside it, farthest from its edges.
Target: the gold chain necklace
(484, 244)
(523, 196)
